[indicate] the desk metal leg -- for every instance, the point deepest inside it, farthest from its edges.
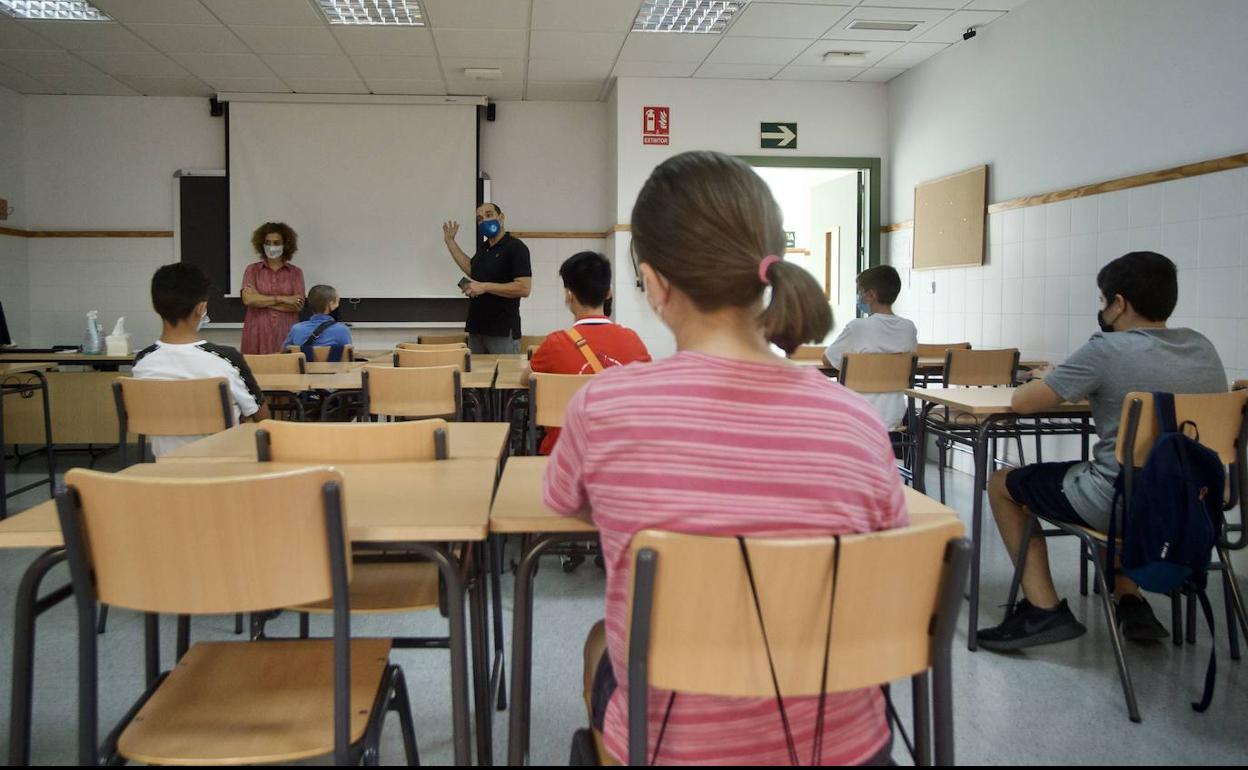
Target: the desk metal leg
(920, 449)
(499, 673)
(977, 527)
(483, 708)
(29, 607)
(49, 454)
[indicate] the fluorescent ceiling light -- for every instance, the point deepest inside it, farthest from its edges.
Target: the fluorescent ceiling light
(701, 16)
(392, 13)
(53, 10)
(836, 57)
(886, 26)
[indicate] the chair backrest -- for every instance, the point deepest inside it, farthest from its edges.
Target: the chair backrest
(532, 340)
(1219, 418)
(981, 367)
(277, 363)
(320, 353)
(877, 372)
(705, 636)
(173, 407)
(205, 546)
(440, 346)
(808, 353)
(442, 339)
(365, 442)
(457, 357)
(935, 349)
(550, 393)
(530, 350)
(428, 391)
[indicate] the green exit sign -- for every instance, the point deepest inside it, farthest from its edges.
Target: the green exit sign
(778, 136)
(790, 239)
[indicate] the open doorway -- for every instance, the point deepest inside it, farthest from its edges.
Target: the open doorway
(828, 206)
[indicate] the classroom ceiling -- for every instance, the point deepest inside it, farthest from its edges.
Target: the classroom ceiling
(544, 49)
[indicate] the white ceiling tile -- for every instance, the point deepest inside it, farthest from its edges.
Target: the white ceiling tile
(156, 11)
(563, 92)
(88, 35)
(787, 20)
(654, 69)
(23, 83)
(95, 85)
(569, 70)
(738, 71)
(145, 64)
(950, 30)
(477, 14)
(157, 86)
(41, 63)
(494, 43)
(558, 44)
(384, 41)
(801, 72)
(911, 54)
(925, 18)
(326, 86)
(454, 66)
(993, 5)
(874, 50)
(585, 15)
(667, 47)
(297, 12)
(405, 86)
(311, 66)
(495, 89)
(223, 65)
(191, 38)
(269, 85)
(398, 67)
(757, 50)
(14, 36)
(878, 75)
(268, 39)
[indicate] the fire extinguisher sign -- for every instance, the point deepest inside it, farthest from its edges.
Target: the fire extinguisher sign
(656, 125)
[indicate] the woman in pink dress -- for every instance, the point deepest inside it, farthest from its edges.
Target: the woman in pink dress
(272, 289)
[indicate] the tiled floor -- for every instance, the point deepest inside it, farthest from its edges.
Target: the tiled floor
(1058, 704)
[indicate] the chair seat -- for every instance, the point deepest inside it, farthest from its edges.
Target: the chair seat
(380, 587)
(253, 702)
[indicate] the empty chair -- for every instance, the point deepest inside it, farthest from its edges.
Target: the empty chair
(882, 378)
(938, 349)
(440, 346)
(443, 339)
(808, 353)
(532, 341)
(158, 408)
(277, 363)
(322, 353)
(207, 546)
(549, 395)
(458, 357)
(412, 392)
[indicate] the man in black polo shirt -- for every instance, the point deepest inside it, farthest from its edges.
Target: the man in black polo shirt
(500, 276)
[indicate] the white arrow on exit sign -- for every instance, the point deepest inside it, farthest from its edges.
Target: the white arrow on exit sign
(778, 135)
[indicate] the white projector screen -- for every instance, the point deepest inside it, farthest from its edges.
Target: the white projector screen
(365, 186)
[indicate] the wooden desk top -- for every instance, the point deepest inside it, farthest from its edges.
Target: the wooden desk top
(300, 383)
(465, 440)
(333, 367)
(926, 363)
(63, 358)
(481, 376)
(512, 374)
(518, 506)
(985, 401)
(385, 502)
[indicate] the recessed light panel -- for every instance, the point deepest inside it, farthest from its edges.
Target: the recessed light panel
(885, 26)
(390, 13)
(53, 10)
(699, 16)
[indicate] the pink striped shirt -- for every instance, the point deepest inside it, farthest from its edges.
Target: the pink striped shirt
(712, 446)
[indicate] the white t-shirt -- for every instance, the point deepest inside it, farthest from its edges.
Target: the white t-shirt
(877, 333)
(193, 361)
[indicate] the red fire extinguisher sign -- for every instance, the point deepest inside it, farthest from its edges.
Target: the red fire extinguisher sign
(656, 125)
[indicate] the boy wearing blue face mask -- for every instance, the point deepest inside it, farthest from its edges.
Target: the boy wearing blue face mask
(500, 275)
(879, 332)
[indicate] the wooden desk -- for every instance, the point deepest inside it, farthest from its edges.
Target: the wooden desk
(333, 367)
(83, 411)
(65, 358)
(981, 402)
(20, 383)
(302, 383)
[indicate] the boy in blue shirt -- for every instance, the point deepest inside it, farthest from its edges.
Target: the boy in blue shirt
(322, 329)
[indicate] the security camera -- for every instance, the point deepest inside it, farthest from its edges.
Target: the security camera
(969, 33)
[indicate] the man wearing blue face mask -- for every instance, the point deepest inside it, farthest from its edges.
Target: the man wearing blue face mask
(500, 275)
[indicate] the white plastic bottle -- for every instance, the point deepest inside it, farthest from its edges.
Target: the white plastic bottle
(93, 340)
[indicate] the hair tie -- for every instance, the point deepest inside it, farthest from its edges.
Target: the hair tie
(764, 266)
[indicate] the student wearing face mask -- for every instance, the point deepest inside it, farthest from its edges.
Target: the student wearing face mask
(272, 289)
(499, 275)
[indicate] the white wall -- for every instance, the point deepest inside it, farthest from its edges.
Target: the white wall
(1066, 92)
(14, 271)
(834, 119)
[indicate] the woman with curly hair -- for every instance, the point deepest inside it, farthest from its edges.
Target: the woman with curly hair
(272, 289)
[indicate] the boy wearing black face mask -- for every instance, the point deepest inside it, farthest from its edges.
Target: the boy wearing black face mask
(1134, 351)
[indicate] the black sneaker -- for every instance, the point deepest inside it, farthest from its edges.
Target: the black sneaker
(1029, 626)
(1136, 620)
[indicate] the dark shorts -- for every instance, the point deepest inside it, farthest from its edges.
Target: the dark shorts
(1039, 487)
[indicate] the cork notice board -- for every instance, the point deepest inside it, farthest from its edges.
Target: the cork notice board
(949, 220)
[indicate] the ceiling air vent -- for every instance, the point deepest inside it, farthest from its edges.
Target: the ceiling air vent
(884, 26)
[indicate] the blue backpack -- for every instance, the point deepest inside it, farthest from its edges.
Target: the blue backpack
(1174, 518)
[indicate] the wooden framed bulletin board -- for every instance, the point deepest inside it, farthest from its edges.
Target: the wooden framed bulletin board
(949, 220)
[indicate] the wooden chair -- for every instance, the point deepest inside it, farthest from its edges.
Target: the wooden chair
(419, 346)
(320, 353)
(1220, 420)
(277, 363)
(443, 339)
(458, 357)
(170, 408)
(808, 353)
(530, 350)
(884, 373)
(207, 546)
(528, 341)
(873, 608)
(974, 368)
(937, 349)
(549, 395)
(412, 392)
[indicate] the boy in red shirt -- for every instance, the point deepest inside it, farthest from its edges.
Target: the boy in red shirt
(594, 342)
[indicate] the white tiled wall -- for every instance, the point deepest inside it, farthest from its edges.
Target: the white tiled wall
(1037, 289)
(543, 311)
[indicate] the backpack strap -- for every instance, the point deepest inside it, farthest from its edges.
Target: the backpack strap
(318, 331)
(1211, 671)
(335, 351)
(582, 345)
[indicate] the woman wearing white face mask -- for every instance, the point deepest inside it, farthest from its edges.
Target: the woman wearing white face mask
(272, 289)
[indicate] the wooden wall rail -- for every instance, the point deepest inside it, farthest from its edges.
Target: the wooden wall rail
(85, 233)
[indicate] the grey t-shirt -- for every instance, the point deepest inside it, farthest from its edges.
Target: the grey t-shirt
(1104, 371)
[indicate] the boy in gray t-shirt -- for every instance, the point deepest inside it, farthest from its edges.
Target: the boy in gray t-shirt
(1133, 352)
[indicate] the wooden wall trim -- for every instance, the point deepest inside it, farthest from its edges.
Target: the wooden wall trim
(561, 234)
(1201, 168)
(18, 232)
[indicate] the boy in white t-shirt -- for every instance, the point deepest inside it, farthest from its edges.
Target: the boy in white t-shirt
(879, 332)
(180, 296)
